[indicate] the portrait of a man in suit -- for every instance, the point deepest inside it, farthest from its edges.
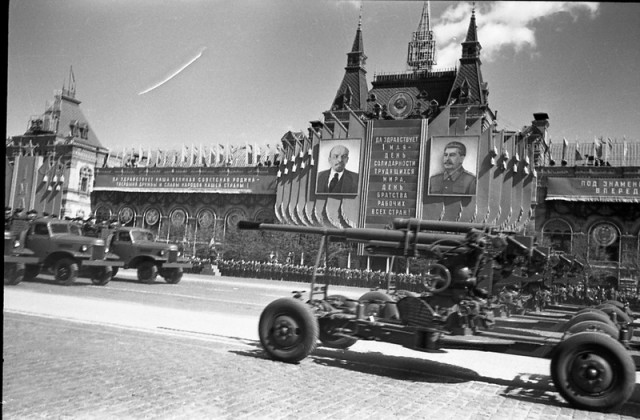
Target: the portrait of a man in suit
(337, 179)
(454, 179)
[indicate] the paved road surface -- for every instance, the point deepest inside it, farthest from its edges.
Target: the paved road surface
(130, 351)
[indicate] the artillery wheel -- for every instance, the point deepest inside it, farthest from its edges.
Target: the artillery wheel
(66, 271)
(437, 278)
(31, 271)
(621, 315)
(13, 273)
(172, 275)
(147, 272)
(327, 337)
(612, 302)
(101, 275)
(593, 315)
(593, 326)
(374, 305)
(288, 330)
(593, 371)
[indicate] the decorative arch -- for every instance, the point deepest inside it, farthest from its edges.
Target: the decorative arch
(558, 234)
(178, 217)
(126, 216)
(264, 216)
(152, 216)
(206, 218)
(233, 217)
(604, 242)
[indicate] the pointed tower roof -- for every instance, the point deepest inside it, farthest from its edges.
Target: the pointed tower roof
(422, 47)
(469, 88)
(353, 89)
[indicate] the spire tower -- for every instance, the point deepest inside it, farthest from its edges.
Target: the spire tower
(422, 47)
(352, 92)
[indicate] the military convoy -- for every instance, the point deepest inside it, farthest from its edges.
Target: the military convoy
(59, 247)
(594, 353)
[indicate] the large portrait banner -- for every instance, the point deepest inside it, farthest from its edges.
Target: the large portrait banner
(453, 166)
(338, 167)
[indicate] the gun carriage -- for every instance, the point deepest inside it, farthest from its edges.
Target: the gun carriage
(593, 353)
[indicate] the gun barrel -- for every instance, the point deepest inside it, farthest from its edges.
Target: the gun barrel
(460, 227)
(361, 235)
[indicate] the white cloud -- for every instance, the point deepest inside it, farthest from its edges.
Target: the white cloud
(501, 25)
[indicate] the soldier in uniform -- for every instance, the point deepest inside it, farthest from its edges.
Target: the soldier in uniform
(455, 179)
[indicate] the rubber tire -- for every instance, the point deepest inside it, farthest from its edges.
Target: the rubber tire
(296, 320)
(619, 305)
(593, 326)
(172, 275)
(326, 337)
(621, 315)
(13, 273)
(390, 311)
(114, 271)
(31, 271)
(593, 350)
(65, 271)
(147, 272)
(596, 315)
(101, 275)
(615, 303)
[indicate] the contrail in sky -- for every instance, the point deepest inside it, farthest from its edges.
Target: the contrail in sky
(175, 73)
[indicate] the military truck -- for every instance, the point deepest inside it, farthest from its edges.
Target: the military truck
(58, 247)
(15, 260)
(138, 249)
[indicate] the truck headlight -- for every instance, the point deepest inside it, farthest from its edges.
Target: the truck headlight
(106, 250)
(16, 244)
(162, 252)
(83, 248)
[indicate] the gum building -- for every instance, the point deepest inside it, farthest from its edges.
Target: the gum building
(421, 143)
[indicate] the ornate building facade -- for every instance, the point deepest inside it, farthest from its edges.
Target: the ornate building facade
(395, 129)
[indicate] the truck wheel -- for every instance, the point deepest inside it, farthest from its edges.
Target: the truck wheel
(66, 271)
(31, 271)
(595, 315)
(288, 330)
(593, 371)
(147, 272)
(13, 273)
(374, 305)
(114, 271)
(101, 275)
(172, 275)
(593, 326)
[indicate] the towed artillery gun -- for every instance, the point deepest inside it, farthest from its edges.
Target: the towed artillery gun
(593, 362)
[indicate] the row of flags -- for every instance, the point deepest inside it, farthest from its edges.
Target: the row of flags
(296, 152)
(196, 155)
(600, 148)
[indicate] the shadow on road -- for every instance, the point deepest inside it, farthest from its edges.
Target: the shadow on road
(531, 388)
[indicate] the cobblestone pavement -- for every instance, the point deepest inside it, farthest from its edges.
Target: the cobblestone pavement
(68, 370)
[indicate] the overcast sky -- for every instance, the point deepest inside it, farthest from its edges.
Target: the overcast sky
(161, 73)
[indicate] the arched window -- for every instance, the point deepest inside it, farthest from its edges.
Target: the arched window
(85, 179)
(604, 242)
(558, 235)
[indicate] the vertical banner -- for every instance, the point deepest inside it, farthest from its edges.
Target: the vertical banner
(392, 178)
